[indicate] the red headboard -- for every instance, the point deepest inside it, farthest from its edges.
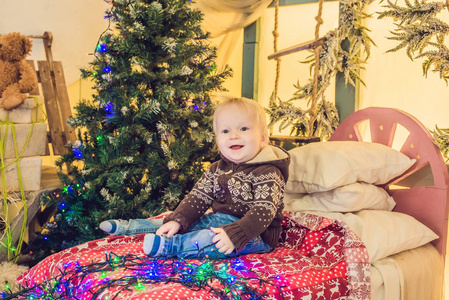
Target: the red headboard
(422, 191)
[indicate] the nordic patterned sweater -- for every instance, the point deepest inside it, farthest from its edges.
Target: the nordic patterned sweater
(251, 191)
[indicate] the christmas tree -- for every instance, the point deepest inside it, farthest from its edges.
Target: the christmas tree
(146, 136)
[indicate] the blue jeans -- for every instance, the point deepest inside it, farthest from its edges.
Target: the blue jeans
(197, 241)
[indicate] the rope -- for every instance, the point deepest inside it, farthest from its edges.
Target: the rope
(312, 110)
(4, 191)
(275, 45)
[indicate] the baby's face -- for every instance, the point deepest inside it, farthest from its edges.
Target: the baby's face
(239, 136)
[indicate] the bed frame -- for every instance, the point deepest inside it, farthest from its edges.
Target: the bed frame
(424, 199)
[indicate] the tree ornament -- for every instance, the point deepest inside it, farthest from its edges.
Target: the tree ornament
(174, 175)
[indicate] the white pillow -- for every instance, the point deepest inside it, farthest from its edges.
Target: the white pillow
(384, 233)
(319, 167)
(348, 198)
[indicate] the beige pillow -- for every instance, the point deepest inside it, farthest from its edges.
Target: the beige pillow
(319, 167)
(348, 198)
(384, 233)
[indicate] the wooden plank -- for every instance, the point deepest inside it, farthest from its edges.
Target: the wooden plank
(51, 107)
(48, 42)
(294, 139)
(63, 101)
(34, 92)
(290, 142)
(297, 48)
(294, 2)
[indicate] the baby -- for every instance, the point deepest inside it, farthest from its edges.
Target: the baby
(244, 189)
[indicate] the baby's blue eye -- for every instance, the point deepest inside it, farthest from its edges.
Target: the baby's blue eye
(225, 131)
(244, 129)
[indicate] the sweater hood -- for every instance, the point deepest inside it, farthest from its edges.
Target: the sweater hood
(271, 154)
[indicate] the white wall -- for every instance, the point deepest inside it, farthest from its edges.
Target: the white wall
(392, 79)
(231, 54)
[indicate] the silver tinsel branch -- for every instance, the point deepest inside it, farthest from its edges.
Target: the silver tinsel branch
(422, 35)
(441, 139)
(419, 29)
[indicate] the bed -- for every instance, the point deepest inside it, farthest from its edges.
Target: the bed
(362, 221)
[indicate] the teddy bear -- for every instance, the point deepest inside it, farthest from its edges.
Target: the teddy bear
(17, 78)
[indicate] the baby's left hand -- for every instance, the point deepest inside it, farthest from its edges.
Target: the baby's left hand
(222, 241)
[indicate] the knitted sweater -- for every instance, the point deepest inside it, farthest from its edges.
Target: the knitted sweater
(251, 191)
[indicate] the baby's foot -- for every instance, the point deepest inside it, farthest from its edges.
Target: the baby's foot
(110, 226)
(153, 244)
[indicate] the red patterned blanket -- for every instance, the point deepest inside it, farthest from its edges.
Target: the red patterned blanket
(317, 258)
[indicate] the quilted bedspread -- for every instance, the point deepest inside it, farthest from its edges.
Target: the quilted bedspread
(317, 258)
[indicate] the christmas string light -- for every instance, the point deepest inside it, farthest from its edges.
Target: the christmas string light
(109, 107)
(100, 139)
(102, 48)
(77, 150)
(110, 111)
(220, 277)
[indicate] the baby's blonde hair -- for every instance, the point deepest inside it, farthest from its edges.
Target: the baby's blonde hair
(250, 106)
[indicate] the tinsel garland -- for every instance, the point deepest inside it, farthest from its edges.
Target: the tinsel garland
(227, 279)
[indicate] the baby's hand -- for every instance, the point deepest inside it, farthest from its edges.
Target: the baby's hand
(170, 228)
(222, 241)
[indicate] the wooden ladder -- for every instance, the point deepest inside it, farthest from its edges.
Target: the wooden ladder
(50, 75)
